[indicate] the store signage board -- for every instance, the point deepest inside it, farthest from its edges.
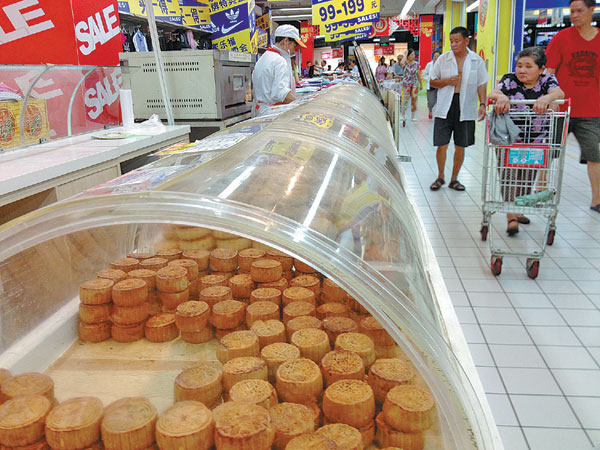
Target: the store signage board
(360, 37)
(336, 11)
(384, 50)
(264, 22)
(191, 13)
(346, 34)
(385, 27)
(235, 23)
(346, 27)
(240, 57)
(80, 32)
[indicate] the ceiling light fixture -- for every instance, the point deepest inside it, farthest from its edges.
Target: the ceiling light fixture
(407, 7)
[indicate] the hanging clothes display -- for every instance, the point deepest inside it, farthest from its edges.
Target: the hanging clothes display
(139, 42)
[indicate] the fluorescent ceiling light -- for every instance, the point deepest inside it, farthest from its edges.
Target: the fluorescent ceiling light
(376, 40)
(392, 39)
(407, 6)
(473, 6)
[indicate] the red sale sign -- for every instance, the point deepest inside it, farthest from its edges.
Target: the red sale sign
(59, 32)
(384, 51)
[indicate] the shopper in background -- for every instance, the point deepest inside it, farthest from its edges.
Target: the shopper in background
(306, 70)
(527, 83)
(391, 66)
(353, 68)
(412, 82)
(311, 70)
(397, 69)
(574, 55)
(460, 77)
(431, 92)
(381, 70)
(273, 78)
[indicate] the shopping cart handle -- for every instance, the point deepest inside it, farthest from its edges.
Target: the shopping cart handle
(566, 101)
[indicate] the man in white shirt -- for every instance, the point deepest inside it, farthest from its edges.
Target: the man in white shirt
(273, 79)
(460, 77)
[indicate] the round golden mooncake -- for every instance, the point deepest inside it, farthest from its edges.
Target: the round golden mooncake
(299, 381)
(201, 383)
(223, 260)
(290, 420)
(130, 292)
(115, 275)
(241, 286)
(248, 256)
(198, 337)
(266, 294)
(146, 275)
(31, 383)
(311, 441)
(237, 344)
(188, 264)
(201, 257)
(359, 343)
(298, 294)
(387, 373)
(372, 328)
(127, 333)
(214, 294)
(332, 292)
(308, 282)
(128, 424)
(212, 280)
(242, 426)
(334, 326)
(342, 365)
(254, 392)
(170, 254)
(300, 323)
(140, 256)
(75, 423)
(96, 292)
(345, 436)
(312, 343)
(350, 402)
(286, 261)
(269, 331)
(388, 437)
(266, 271)
(161, 328)
(243, 368)
(261, 311)
(410, 409)
(172, 279)
(186, 424)
(227, 314)
(297, 309)
(281, 284)
(332, 310)
(22, 420)
(277, 353)
(192, 316)
(154, 264)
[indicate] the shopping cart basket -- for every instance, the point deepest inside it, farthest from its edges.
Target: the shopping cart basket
(526, 177)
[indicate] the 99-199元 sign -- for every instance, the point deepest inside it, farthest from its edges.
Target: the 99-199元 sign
(333, 11)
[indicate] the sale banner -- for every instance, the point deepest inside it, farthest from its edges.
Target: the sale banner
(98, 33)
(425, 41)
(307, 36)
(264, 22)
(360, 37)
(191, 13)
(345, 27)
(385, 27)
(334, 11)
(346, 34)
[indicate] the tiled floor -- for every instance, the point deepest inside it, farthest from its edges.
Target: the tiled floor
(536, 343)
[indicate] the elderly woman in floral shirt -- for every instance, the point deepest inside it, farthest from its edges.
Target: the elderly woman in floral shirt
(527, 83)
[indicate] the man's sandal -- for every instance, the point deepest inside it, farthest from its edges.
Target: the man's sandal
(455, 184)
(437, 184)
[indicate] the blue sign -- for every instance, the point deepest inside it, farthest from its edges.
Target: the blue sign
(230, 21)
(356, 38)
(526, 157)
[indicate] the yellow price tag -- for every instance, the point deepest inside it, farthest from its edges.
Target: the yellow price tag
(296, 151)
(332, 11)
(319, 120)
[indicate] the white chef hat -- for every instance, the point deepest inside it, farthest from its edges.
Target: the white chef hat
(289, 31)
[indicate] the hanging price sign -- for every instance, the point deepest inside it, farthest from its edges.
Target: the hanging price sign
(334, 11)
(348, 34)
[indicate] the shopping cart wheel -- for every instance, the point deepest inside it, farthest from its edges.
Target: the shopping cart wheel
(484, 232)
(550, 239)
(496, 265)
(533, 268)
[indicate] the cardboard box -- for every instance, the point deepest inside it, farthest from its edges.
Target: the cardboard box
(36, 122)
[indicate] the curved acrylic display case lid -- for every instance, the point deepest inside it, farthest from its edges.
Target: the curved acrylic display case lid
(327, 202)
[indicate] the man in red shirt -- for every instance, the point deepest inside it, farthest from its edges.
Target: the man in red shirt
(574, 55)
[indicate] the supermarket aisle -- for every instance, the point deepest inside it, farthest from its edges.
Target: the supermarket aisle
(536, 343)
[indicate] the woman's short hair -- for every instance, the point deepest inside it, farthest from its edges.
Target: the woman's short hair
(410, 52)
(538, 54)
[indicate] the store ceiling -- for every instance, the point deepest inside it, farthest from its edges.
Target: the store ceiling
(300, 10)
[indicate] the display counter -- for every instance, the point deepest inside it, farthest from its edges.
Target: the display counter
(318, 194)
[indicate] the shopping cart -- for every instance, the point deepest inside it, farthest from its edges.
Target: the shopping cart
(526, 177)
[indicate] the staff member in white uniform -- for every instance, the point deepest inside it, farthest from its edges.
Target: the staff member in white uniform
(272, 78)
(460, 77)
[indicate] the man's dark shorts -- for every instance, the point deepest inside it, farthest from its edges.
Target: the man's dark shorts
(464, 132)
(587, 133)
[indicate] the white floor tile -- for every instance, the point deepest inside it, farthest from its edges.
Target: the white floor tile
(589, 287)
(520, 286)
(465, 314)
(502, 409)
(459, 299)
(567, 358)
(497, 316)
(472, 334)
(513, 438)
(478, 285)
(581, 317)
(490, 379)
(595, 351)
(590, 336)
(557, 439)
(558, 287)
(489, 299)
(544, 411)
(453, 285)
(571, 301)
(506, 334)
(525, 356)
(481, 355)
(540, 316)
(578, 382)
(545, 335)
(529, 300)
(529, 381)
(587, 410)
